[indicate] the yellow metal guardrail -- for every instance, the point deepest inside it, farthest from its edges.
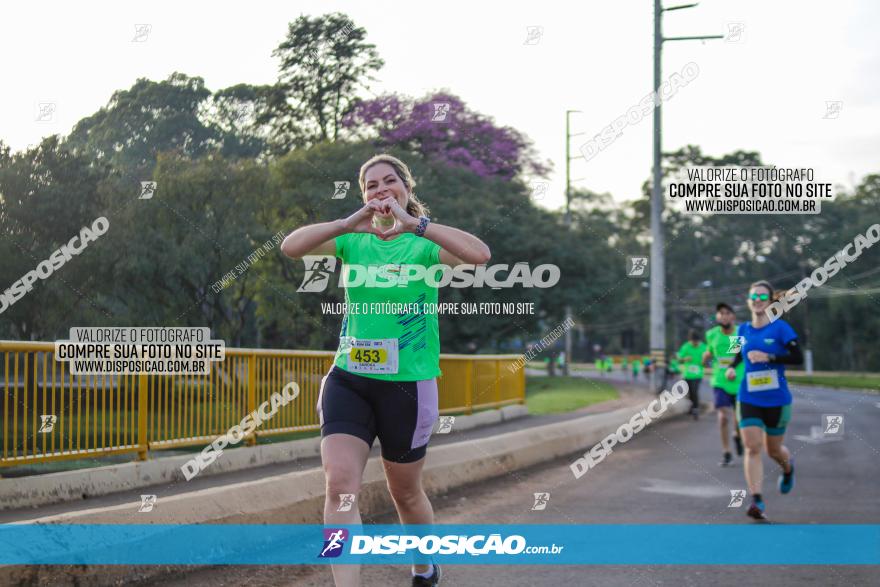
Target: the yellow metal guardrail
(48, 414)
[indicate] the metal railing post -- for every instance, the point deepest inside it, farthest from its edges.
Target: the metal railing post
(497, 380)
(252, 394)
(143, 441)
(469, 386)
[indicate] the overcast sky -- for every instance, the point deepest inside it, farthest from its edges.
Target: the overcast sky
(765, 92)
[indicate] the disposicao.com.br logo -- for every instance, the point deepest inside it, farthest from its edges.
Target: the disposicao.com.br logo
(319, 268)
(334, 540)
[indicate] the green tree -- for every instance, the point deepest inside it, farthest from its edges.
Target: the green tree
(206, 218)
(47, 195)
(324, 62)
(150, 117)
(239, 113)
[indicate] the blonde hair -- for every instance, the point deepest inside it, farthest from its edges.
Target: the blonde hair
(414, 206)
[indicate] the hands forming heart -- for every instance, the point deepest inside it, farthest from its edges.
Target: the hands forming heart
(382, 209)
(389, 208)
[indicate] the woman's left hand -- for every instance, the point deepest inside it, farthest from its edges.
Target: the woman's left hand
(758, 357)
(403, 222)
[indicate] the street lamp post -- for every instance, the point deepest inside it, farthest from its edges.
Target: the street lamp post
(568, 135)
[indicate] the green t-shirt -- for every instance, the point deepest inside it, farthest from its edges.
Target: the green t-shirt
(692, 360)
(414, 332)
(719, 343)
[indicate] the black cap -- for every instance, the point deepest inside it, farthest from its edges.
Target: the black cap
(723, 305)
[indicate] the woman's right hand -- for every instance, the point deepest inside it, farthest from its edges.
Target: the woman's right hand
(730, 373)
(362, 221)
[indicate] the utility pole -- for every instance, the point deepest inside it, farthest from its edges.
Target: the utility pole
(568, 135)
(658, 265)
(808, 342)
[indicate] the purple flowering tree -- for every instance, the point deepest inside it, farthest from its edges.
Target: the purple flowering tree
(441, 127)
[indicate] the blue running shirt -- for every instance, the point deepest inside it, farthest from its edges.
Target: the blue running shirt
(764, 384)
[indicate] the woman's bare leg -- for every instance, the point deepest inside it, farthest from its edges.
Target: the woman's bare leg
(344, 458)
(405, 485)
(778, 452)
(753, 438)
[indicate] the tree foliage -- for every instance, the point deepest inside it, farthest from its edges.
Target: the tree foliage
(324, 62)
(441, 126)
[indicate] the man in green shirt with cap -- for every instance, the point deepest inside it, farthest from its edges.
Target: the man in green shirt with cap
(723, 347)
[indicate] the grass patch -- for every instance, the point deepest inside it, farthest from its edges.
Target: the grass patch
(554, 395)
(867, 382)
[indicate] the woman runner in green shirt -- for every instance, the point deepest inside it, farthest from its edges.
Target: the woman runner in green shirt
(383, 381)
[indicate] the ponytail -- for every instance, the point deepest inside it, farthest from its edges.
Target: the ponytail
(415, 207)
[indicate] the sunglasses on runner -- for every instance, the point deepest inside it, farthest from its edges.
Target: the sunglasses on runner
(756, 296)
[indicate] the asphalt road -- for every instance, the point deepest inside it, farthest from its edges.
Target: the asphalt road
(668, 474)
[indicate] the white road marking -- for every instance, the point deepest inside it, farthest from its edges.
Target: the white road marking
(816, 436)
(686, 489)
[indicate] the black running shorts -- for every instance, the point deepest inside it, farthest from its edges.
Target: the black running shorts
(401, 413)
(772, 420)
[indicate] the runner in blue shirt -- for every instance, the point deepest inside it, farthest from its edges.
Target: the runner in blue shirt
(764, 401)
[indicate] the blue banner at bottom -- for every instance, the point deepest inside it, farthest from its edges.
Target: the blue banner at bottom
(526, 544)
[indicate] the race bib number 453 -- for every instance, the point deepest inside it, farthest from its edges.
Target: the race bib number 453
(369, 355)
(375, 356)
